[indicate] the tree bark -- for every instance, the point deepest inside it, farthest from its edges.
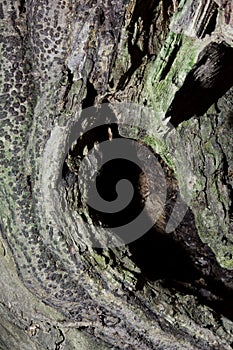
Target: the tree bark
(155, 79)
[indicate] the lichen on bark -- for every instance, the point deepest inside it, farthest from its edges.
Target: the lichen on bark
(165, 290)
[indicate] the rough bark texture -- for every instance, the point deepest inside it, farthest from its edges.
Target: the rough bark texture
(165, 290)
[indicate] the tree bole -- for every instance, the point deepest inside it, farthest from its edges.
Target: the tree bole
(167, 289)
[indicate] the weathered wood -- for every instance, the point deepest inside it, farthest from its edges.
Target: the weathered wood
(167, 290)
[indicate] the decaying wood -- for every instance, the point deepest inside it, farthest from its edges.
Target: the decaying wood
(165, 290)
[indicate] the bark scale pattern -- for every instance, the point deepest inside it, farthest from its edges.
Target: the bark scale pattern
(57, 58)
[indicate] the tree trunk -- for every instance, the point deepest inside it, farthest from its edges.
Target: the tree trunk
(96, 92)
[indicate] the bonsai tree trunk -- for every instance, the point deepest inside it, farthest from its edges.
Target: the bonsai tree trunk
(93, 93)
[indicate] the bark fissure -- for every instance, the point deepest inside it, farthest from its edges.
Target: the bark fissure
(211, 78)
(165, 290)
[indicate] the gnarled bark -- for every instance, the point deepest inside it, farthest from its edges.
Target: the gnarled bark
(63, 285)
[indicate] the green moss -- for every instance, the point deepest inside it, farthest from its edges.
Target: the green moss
(178, 51)
(160, 147)
(165, 76)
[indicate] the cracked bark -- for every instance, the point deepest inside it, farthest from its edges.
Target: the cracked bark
(163, 291)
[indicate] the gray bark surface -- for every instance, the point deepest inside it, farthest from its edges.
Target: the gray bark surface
(166, 290)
